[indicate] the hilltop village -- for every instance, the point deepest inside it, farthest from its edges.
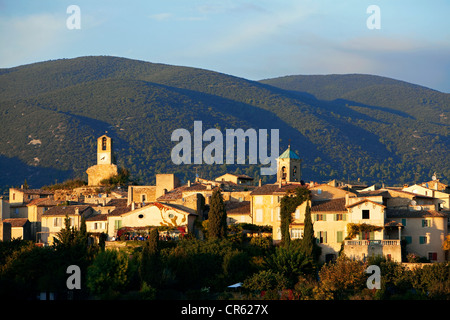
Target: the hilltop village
(397, 221)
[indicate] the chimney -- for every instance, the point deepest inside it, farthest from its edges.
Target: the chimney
(259, 183)
(346, 198)
(77, 211)
(189, 183)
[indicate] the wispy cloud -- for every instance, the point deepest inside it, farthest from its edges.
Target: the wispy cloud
(161, 16)
(261, 27)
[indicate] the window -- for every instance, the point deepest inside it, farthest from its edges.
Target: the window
(404, 222)
(319, 191)
(423, 240)
(296, 233)
(408, 239)
(283, 173)
(16, 210)
(117, 224)
(321, 217)
(259, 215)
(143, 198)
(98, 225)
(258, 200)
(104, 143)
(321, 237)
(432, 256)
(339, 236)
(339, 217)
(426, 223)
(14, 196)
(366, 214)
(141, 216)
(57, 222)
(279, 213)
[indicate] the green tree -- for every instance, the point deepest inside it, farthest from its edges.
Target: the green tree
(266, 280)
(291, 262)
(108, 273)
(308, 244)
(217, 217)
(66, 236)
(150, 264)
(342, 279)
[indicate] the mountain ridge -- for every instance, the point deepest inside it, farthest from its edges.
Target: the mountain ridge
(340, 130)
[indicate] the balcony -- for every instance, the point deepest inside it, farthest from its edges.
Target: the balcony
(362, 249)
(372, 242)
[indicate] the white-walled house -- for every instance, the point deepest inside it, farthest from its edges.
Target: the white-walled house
(154, 214)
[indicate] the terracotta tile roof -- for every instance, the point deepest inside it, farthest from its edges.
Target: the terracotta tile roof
(123, 210)
(393, 223)
(34, 191)
(16, 222)
(362, 201)
(120, 210)
(411, 194)
(177, 193)
(43, 202)
(63, 210)
(117, 203)
(240, 176)
(236, 207)
(334, 205)
(373, 193)
(98, 217)
(274, 189)
(405, 213)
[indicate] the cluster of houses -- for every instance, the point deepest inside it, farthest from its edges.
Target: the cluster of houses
(356, 219)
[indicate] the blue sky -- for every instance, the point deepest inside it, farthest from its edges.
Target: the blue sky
(254, 39)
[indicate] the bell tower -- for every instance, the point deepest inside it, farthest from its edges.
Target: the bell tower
(104, 169)
(104, 150)
(289, 167)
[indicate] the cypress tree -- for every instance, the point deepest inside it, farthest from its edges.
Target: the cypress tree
(149, 268)
(217, 217)
(308, 241)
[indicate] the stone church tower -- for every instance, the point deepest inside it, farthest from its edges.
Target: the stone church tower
(288, 167)
(104, 168)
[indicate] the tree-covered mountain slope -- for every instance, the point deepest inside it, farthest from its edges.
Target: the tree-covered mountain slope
(345, 127)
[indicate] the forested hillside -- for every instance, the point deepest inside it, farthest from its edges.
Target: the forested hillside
(344, 127)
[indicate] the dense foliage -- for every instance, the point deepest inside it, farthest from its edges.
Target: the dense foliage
(344, 127)
(196, 269)
(288, 205)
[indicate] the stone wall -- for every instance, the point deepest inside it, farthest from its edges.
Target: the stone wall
(99, 172)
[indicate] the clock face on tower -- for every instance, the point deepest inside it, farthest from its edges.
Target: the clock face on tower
(103, 158)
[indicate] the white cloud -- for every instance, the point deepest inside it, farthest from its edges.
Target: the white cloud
(161, 16)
